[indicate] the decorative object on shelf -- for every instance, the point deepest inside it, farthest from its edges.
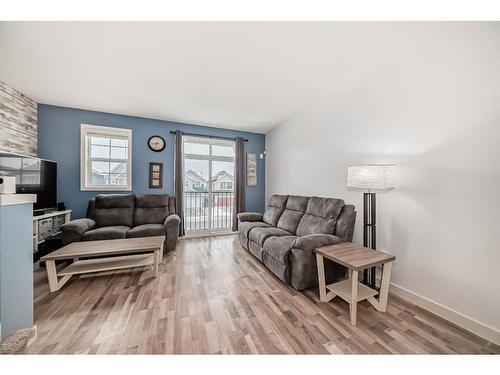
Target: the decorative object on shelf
(46, 226)
(370, 177)
(155, 175)
(156, 143)
(44, 229)
(251, 169)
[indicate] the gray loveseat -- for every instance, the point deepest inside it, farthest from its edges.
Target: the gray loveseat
(114, 216)
(284, 237)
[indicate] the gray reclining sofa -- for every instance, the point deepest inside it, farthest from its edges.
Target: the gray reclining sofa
(114, 216)
(284, 237)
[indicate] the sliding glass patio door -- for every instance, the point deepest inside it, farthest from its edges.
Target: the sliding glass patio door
(208, 185)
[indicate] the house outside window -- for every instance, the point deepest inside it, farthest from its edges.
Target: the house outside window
(106, 158)
(226, 185)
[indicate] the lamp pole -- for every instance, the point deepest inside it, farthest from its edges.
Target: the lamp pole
(370, 177)
(369, 233)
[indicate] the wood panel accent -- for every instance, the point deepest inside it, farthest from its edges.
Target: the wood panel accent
(212, 296)
(18, 122)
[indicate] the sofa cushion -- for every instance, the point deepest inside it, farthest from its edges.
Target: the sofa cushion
(279, 248)
(259, 235)
(146, 230)
(114, 209)
(106, 233)
(345, 221)
(151, 209)
(320, 217)
(245, 227)
(295, 209)
(275, 208)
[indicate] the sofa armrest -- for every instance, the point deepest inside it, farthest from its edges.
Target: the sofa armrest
(304, 272)
(171, 225)
(78, 226)
(172, 221)
(72, 231)
(313, 241)
(250, 216)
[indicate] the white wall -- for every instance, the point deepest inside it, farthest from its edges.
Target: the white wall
(432, 106)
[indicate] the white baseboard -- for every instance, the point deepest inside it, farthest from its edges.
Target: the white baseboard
(480, 329)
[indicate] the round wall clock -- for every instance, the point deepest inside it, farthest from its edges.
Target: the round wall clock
(156, 143)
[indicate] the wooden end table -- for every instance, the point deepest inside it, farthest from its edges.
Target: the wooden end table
(112, 255)
(356, 258)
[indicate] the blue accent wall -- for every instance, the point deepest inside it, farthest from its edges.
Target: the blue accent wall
(59, 140)
(16, 267)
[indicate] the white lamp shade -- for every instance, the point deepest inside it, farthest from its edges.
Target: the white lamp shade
(371, 177)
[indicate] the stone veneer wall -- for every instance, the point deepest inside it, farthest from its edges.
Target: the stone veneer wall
(18, 122)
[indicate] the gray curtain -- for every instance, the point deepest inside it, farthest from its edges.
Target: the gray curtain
(179, 180)
(239, 191)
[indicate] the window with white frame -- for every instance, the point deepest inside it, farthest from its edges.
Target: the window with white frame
(106, 158)
(226, 185)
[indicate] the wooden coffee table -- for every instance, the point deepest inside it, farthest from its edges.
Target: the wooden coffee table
(114, 255)
(356, 258)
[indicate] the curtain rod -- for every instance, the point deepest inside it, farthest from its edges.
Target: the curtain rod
(207, 136)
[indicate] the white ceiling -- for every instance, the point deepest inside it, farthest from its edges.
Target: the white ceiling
(246, 76)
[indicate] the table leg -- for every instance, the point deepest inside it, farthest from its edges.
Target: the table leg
(54, 283)
(160, 257)
(156, 260)
(381, 304)
(321, 278)
(50, 266)
(354, 296)
(384, 286)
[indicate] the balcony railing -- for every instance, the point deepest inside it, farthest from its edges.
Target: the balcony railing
(202, 215)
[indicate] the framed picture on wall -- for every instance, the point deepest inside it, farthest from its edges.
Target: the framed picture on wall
(155, 175)
(251, 169)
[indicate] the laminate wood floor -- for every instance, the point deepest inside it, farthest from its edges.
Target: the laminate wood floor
(214, 297)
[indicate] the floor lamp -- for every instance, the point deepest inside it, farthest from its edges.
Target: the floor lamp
(370, 177)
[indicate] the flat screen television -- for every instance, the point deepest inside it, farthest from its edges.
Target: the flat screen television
(33, 176)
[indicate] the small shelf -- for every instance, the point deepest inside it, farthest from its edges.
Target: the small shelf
(51, 214)
(107, 264)
(343, 290)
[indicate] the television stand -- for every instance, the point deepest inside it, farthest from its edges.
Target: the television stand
(47, 225)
